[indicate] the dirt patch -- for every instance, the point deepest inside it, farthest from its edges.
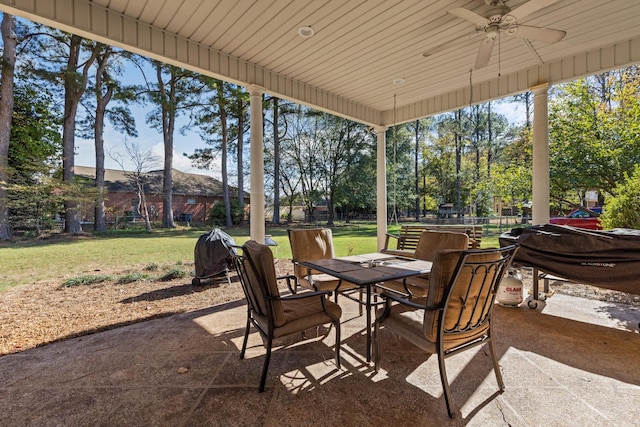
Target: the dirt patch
(37, 314)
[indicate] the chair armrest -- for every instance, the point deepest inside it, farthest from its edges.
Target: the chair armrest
(397, 298)
(301, 296)
(289, 278)
(390, 236)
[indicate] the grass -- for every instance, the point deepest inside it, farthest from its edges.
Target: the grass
(64, 258)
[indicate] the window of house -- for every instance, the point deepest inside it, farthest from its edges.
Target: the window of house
(191, 201)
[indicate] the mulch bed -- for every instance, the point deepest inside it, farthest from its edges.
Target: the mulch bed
(37, 314)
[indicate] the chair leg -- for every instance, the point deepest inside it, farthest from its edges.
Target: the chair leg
(445, 384)
(337, 328)
(376, 346)
(265, 367)
(496, 366)
(360, 304)
(246, 337)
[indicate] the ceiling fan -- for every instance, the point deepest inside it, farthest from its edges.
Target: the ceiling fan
(500, 18)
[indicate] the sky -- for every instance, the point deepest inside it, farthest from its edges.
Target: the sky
(148, 139)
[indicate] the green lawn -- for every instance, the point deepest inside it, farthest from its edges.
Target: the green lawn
(35, 261)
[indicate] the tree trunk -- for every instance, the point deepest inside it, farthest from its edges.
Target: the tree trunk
(75, 84)
(168, 124)
(6, 116)
(99, 223)
(225, 143)
(72, 93)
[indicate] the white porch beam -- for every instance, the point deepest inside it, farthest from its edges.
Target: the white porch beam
(381, 185)
(256, 145)
(540, 210)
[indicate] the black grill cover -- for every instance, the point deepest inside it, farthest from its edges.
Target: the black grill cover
(213, 253)
(606, 259)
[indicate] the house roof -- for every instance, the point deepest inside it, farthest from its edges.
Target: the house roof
(360, 48)
(187, 184)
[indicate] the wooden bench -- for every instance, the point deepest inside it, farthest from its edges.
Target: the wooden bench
(407, 240)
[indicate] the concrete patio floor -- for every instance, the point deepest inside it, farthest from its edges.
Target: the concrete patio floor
(570, 362)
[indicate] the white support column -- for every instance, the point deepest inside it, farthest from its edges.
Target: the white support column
(540, 189)
(381, 185)
(257, 165)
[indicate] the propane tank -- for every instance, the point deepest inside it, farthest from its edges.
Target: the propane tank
(510, 289)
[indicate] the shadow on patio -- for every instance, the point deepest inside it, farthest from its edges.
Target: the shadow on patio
(571, 362)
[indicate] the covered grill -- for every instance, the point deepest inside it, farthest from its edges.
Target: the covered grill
(606, 259)
(213, 256)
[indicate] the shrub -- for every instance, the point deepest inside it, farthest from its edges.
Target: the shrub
(85, 280)
(217, 214)
(623, 209)
(132, 277)
(174, 273)
(151, 267)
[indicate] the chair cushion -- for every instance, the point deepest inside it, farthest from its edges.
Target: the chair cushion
(408, 322)
(309, 245)
(264, 275)
(302, 314)
(432, 241)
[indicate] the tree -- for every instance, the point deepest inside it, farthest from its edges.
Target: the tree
(341, 143)
(75, 76)
(143, 163)
(106, 88)
(212, 120)
(594, 133)
(623, 209)
(174, 91)
(34, 158)
(9, 40)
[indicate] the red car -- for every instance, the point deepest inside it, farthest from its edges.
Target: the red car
(580, 218)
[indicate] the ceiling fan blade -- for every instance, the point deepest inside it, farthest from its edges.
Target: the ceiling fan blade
(530, 7)
(451, 44)
(484, 53)
(468, 15)
(537, 33)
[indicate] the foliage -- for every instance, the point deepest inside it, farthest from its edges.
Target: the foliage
(172, 274)
(151, 267)
(594, 133)
(85, 280)
(132, 277)
(35, 134)
(622, 210)
(217, 214)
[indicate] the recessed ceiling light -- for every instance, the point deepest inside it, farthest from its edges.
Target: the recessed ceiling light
(306, 32)
(399, 81)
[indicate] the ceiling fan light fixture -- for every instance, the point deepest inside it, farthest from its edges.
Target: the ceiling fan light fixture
(399, 81)
(306, 32)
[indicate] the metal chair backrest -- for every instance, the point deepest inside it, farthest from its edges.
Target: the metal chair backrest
(465, 283)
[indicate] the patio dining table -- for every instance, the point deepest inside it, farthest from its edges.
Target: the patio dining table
(366, 271)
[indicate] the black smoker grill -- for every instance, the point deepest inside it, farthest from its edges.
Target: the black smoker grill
(213, 254)
(606, 259)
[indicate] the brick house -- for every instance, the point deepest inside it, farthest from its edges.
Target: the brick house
(193, 194)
